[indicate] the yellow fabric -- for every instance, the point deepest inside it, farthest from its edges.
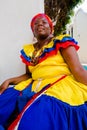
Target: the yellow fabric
(29, 48)
(51, 67)
(67, 90)
(60, 37)
(22, 85)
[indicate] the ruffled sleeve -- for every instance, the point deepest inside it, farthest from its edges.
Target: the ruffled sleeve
(63, 41)
(26, 53)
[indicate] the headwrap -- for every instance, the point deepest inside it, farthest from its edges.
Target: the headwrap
(42, 15)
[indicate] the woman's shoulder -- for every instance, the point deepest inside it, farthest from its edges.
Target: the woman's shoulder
(65, 37)
(61, 36)
(28, 47)
(65, 40)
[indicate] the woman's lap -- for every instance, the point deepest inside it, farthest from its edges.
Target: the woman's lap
(7, 104)
(41, 116)
(48, 113)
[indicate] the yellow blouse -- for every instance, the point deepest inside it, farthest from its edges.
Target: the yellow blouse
(51, 69)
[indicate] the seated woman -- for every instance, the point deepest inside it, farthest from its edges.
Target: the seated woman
(52, 95)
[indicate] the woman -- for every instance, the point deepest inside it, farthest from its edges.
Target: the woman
(54, 89)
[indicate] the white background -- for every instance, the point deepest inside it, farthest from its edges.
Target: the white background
(15, 16)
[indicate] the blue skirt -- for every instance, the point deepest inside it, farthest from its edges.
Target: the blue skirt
(49, 113)
(46, 113)
(8, 102)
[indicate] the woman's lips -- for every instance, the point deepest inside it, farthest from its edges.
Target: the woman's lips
(40, 29)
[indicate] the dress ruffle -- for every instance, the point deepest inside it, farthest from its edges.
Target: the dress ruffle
(57, 43)
(61, 116)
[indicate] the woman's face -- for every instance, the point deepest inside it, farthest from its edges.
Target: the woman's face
(41, 28)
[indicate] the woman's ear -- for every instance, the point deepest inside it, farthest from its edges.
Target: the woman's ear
(34, 39)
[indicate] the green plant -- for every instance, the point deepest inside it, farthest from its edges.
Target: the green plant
(60, 11)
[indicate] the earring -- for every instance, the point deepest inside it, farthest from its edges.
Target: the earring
(34, 39)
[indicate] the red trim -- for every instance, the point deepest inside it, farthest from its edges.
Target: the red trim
(25, 61)
(53, 52)
(66, 44)
(58, 46)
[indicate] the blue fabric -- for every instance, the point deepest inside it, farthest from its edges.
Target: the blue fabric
(1, 128)
(25, 56)
(24, 97)
(48, 113)
(66, 38)
(7, 104)
(47, 50)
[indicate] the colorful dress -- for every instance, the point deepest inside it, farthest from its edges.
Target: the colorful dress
(61, 103)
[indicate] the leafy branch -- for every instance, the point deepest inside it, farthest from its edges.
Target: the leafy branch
(60, 11)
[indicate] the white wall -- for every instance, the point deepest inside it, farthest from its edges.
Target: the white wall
(79, 25)
(80, 33)
(15, 16)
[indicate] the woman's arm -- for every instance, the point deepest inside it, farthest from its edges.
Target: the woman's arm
(15, 80)
(71, 58)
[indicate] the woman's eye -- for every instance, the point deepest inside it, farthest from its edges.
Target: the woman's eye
(36, 23)
(44, 22)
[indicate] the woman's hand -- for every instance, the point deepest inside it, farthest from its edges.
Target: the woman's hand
(14, 80)
(4, 86)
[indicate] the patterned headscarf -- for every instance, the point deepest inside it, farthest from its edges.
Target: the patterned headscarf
(42, 15)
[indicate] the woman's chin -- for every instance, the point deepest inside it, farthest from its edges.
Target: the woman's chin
(42, 36)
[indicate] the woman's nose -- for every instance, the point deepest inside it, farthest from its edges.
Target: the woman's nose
(40, 23)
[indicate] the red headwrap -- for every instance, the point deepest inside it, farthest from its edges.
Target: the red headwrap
(42, 15)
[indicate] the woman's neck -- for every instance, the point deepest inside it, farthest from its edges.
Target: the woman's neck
(42, 42)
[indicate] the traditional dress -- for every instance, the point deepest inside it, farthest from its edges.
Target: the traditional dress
(59, 101)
